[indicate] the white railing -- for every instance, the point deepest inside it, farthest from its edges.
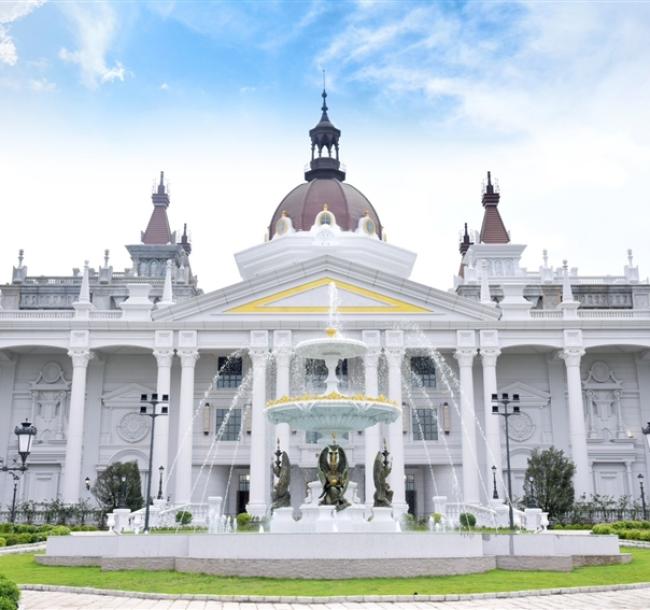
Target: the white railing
(110, 314)
(613, 314)
(36, 314)
(546, 314)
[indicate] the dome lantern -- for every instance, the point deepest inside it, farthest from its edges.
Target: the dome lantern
(324, 148)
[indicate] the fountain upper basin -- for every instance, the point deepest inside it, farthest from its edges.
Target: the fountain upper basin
(331, 346)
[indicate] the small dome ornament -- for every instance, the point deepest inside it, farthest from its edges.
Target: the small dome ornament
(283, 225)
(367, 225)
(325, 217)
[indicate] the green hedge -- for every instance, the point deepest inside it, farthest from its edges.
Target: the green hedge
(27, 534)
(626, 530)
(9, 594)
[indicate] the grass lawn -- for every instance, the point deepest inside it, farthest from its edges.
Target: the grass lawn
(24, 570)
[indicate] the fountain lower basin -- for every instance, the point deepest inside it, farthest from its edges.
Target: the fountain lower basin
(332, 412)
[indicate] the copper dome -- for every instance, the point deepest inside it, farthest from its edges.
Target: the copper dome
(303, 203)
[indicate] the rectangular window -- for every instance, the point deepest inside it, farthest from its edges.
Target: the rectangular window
(409, 482)
(230, 372)
(231, 427)
(312, 437)
(244, 482)
(425, 424)
(423, 372)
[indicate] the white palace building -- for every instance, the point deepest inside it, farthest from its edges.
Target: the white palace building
(77, 352)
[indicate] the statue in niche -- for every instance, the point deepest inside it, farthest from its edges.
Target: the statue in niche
(281, 498)
(383, 497)
(334, 474)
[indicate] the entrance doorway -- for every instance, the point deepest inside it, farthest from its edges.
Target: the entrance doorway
(243, 492)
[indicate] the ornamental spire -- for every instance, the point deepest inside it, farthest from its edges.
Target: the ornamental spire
(324, 147)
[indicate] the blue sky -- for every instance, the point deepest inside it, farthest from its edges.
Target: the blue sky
(96, 98)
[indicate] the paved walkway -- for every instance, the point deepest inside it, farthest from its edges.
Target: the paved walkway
(627, 599)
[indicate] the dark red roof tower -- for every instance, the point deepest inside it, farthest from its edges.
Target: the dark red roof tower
(158, 231)
(493, 231)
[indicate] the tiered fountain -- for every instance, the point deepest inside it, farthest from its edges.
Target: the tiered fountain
(331, 504)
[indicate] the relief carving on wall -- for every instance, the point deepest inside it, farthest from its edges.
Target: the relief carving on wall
(602, 392)
(50, 393)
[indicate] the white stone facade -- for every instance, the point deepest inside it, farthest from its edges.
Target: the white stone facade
(576, 350)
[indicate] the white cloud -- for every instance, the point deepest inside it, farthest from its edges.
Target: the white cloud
(164, 87)
(41, 85)
(9, 12)
(8, 53)
(96, 25)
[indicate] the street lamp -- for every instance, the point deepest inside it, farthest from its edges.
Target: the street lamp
(643, 505)
(504, 401)
(87, 483)
(24, 433)
(161, 470)
(531, 499)
(495, 493)
(155, 412)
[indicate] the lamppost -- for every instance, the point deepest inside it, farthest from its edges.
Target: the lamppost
(531, 498)
(24, 433)
(161, 470)
(123, 492)
(495, 493)
(155, 412)
(643, 505)
(506, 414)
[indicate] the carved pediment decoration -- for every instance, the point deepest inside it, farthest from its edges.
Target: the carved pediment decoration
(602, 393)
(50, 393)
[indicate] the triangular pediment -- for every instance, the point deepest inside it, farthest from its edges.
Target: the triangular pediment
(127, 394)
(303, 290)
(528, 395)
(314, 298)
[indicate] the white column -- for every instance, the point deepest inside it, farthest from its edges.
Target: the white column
(577, 432)
(259, 461)
(282, 364)
(465, 359)
(396, 432)
(372, 440)
(183, 492)
(74, 444)
(161, 441)
(492, 422)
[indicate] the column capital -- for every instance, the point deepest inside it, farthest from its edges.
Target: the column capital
(394, 356)
(163, 357)
(572, 355)
(465, 355)
(259, 356)
(188, 357)
(489, 355)
(282, 355)
(371, 359)
(80, 357)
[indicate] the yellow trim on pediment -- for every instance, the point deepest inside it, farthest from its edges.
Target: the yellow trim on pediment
(389, 304)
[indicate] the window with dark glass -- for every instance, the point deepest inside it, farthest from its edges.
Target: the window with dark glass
(409, 482)
(312, 437)
(425, 424)
(232, 425)
(230, 372)
(423, 371)
(316, 374)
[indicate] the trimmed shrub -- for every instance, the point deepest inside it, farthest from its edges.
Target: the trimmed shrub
(3, 542)
(58, 530)
(9, 594)
(467, 520)
(183, 517)
(243, 520)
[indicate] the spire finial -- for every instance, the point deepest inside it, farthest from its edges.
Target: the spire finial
(629, 257)
(21, 257)
(161, 184)
(107, 254)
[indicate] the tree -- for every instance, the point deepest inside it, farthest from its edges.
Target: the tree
(548, 483)
(111, 492)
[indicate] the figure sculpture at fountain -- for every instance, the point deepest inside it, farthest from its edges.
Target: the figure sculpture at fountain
(282, 470)
(383, 496)
(334, 474)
